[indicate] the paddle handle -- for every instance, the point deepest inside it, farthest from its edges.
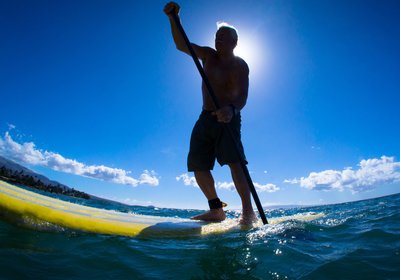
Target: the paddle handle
(226, 126)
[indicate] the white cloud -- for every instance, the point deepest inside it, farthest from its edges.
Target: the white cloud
(266, 188)
(259, 187)
(226, 186)
(187, 180)
(28, 153)
(149, 177)
(230, 186)
(370, 174)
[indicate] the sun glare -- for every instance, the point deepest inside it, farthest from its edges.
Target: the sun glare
(249, 50)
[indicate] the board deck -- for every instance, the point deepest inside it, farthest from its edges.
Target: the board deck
(25, 203)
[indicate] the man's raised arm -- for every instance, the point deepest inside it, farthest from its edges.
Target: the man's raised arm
(173, 8)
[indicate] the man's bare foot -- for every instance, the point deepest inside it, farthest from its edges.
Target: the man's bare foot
(214, 215)
(247, 218)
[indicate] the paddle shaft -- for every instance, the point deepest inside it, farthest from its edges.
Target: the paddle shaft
(226, 126)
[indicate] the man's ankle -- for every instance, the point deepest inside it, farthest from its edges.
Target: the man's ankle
(216, 203)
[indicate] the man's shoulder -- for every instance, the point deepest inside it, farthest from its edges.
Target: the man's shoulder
(210, 51)
(204, 52)
(241, 64)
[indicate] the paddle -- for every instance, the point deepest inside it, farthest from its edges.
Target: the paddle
(226, 126)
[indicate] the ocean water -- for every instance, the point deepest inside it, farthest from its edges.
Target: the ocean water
(356, 240)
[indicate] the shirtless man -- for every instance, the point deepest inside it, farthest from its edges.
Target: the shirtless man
(229, 78)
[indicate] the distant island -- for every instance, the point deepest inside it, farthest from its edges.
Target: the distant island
(14, 173)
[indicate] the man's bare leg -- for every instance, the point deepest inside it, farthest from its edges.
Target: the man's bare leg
(248, 216)
(206, 182)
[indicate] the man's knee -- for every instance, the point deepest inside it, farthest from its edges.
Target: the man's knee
(202, 173)
(235, 167)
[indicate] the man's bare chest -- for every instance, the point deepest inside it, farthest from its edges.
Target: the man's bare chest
(220, 73)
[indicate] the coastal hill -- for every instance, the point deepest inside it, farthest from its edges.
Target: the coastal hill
(14, 173)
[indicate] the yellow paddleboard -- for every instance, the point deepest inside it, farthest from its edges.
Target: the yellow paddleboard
(24, 203)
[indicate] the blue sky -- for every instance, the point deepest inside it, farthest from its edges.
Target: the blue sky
(95, 95)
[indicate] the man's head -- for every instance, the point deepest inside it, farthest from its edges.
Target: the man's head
(226, 38)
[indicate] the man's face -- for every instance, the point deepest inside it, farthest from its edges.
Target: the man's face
(224, 40)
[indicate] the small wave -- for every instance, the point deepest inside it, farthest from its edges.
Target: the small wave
(30, 222)
(374, 265)
(378, 235)
(267, 231)
(299, 230)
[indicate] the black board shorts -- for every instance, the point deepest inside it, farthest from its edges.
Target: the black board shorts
(210, 141)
